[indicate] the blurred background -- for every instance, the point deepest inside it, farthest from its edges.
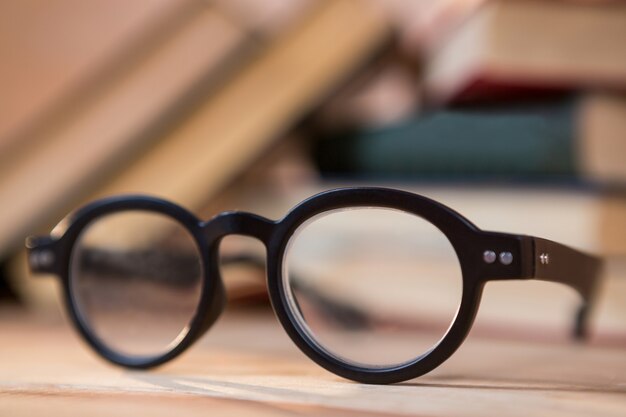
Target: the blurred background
(511, 112)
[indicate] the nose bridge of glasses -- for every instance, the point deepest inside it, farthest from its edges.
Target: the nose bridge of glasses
(238, 223)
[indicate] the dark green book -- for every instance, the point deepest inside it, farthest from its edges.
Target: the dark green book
(523, 141)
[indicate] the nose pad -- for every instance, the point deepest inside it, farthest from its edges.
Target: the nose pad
(216, 307)
(239, 251)
(217, 299)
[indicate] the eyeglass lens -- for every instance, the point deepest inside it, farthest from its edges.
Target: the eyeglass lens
(371, 286)
(136, 280)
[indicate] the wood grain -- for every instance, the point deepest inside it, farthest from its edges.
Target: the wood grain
(246, 365)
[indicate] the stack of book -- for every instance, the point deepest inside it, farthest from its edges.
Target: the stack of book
(173, 99)
(519, 95)
(515, 117)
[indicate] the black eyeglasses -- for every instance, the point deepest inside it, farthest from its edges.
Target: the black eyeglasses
(376, 285)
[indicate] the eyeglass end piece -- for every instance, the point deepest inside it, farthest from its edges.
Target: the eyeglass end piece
(41, 254)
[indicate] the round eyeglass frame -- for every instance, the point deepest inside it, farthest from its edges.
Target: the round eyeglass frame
(468, 241)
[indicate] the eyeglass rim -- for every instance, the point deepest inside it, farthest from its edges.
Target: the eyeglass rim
(206, 311)
(77, 305)
(454, 226)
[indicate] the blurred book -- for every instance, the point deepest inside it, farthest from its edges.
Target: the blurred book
(522, 47)
(116, 123)
(259, 103)
(206, 147)
(269, 18)
(422, 24)
(55, 54)
(204, 122)
(385, 92)
(563, 140)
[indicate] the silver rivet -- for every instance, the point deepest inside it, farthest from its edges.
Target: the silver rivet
(46, 258)
(33, 260)
(544, 258)
(506, 258)
(41, 259)
(489, 256)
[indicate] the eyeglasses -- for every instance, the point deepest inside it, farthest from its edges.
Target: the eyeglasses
(375, 285)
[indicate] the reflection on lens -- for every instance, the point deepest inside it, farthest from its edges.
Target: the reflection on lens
(373, 287)
(136, 280)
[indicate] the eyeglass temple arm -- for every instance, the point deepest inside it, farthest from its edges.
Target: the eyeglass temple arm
(555, 262)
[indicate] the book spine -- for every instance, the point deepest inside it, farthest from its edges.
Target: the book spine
(460, 144)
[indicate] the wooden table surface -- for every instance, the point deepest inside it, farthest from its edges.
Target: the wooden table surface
(248, 366)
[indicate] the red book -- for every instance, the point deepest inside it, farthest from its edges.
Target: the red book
(507, 48)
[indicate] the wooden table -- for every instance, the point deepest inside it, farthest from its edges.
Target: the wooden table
(247, 366)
